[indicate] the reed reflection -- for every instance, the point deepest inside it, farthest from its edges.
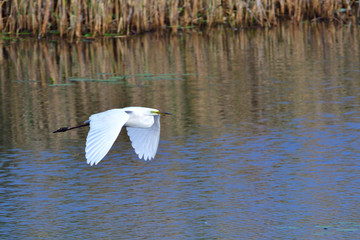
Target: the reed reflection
(221, 77)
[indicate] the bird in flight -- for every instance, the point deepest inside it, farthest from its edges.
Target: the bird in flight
(143, 128)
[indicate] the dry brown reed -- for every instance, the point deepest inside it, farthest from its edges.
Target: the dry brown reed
(76, 18)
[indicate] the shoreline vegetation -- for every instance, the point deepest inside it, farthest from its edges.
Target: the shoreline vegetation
(93, 18)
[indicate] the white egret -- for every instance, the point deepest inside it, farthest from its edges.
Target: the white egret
(143, 128)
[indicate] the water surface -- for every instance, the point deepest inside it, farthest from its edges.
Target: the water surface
(262, 144)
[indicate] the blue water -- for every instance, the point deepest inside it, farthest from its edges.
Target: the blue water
(275, 183)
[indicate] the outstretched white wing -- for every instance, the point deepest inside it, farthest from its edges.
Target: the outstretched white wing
(145, 141)
(104, 129)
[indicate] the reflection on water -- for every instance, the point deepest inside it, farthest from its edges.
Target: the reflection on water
(263, 142)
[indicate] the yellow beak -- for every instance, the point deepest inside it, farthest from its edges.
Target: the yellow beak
(163, 113)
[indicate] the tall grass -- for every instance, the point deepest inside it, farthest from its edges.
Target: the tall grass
(76, 18)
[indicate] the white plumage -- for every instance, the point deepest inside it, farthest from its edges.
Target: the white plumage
(142, 124)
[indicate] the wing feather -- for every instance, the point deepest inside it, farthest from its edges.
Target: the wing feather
(145, 141)
(104, 129)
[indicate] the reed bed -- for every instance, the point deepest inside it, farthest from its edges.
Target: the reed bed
(78, 18)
